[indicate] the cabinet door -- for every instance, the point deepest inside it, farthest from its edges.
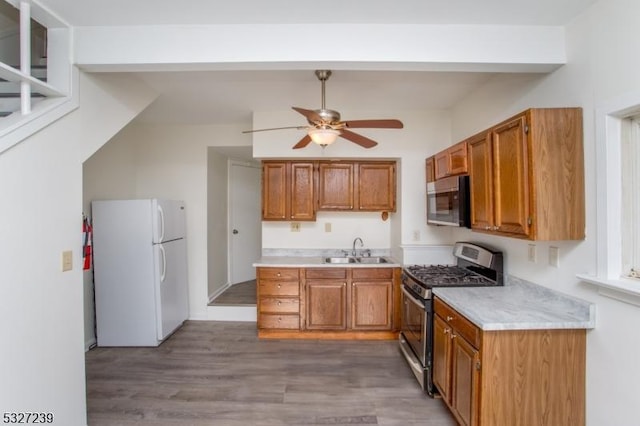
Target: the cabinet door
(481, 182)
(465, 381)
(302, 192)
(441, 357)
(441, 162)
(335, 186)
(326, 305)
(458, 159)
(511, 177)
(274, 191)
(430, 168)
(376, 187)
(371, 305)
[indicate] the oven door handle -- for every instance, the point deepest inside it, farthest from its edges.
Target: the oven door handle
(412, 298)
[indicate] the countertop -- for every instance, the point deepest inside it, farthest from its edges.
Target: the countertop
(519, 305)
(316, 262)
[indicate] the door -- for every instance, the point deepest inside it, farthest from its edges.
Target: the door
(244, 221)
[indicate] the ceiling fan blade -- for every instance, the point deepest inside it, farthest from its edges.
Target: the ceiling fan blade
(274, 128)
(374, 124)
(358, 139)
(312, 116)
(303, 142)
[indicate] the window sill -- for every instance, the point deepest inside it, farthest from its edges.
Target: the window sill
(624, 290)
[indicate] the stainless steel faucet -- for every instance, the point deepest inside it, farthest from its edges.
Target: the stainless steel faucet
(353, 252)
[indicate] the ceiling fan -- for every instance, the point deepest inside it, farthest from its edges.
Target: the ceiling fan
(325, 125)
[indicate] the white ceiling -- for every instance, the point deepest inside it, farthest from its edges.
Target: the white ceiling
(219, 97)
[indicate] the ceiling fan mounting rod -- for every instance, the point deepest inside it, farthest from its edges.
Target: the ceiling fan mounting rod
(323, 76)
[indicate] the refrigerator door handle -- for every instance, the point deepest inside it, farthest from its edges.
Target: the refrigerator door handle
(163, 256)
(161, 224)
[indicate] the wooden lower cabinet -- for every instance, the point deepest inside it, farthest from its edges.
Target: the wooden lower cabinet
(278, 297)
(326, 299)
(372, 299)
(508, 377)
(330, 302)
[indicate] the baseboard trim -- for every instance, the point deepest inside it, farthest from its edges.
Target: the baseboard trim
(218, 292)
(88, 344)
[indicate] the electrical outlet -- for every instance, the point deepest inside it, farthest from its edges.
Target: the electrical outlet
(554, 256)
(67, 260)
(295, 226)
(327, 227)
(532, 255)
(416, 235)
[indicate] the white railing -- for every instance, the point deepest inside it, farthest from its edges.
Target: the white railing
(38, 98)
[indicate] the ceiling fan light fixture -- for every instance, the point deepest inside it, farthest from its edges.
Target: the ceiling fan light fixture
(323, 137)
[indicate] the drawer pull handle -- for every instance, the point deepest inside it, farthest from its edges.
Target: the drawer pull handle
(449, 318)
(279, 303)
(453, 336)
(446, 331)
(279, 286)
(278, 274)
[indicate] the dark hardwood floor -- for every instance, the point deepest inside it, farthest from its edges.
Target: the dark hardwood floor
(238, 295)
(219, 373)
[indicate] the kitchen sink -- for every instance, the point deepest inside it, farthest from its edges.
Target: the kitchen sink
(339, 260)
(349, 259)
(371, 260)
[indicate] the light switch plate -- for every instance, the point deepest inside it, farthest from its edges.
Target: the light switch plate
(554, 256)
(67, 260)
(295, 226)
(327, 227)
(532, 255)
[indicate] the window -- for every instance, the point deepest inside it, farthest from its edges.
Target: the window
(618, 200)
(630, 169)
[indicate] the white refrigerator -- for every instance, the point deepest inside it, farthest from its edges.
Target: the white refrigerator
(140, 270)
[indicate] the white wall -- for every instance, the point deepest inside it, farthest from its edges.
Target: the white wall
(172, 162)
(217, 221)
(41, 308)
(424, 133)
(603, 64)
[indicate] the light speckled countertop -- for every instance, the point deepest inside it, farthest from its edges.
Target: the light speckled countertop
(519, 305)
(312, 258)
(315, 262)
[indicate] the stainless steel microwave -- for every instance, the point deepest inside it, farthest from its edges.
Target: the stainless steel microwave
(448, 202)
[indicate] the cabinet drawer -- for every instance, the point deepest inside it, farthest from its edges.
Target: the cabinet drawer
(463, 326)
(279, 305)
(327, 273)
(278, 288)
(289, 322)
(278, 273)
(372, 273)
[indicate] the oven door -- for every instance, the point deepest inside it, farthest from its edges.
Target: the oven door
(414, 334)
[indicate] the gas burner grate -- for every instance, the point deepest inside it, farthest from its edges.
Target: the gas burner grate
(442, 275)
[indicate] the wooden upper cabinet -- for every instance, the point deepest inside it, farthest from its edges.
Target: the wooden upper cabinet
(527, 176)
(430, 169)
(335, 186)
(511, 207)
(481, 181)
(302, 191)
(376, 186)
(359, 186)
(274, 190)
(452, 161)
(288, 190)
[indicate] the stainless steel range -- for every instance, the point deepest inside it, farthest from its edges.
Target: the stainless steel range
(475, 266)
